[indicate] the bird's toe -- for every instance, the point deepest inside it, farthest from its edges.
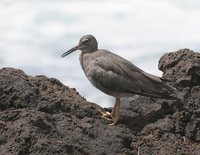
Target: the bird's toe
(107, 115)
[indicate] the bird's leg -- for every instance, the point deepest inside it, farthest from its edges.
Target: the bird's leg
(115, 112)
(114, 108)
(114, 115)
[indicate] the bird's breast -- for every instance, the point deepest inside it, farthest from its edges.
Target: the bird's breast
(88, 65)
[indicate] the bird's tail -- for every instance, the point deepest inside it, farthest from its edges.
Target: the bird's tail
(163, 91)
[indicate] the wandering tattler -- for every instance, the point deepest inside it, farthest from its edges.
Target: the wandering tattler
(117, 76)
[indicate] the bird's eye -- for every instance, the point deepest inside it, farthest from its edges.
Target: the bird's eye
(86, 40)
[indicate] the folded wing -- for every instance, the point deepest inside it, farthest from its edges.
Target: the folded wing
(121, 77)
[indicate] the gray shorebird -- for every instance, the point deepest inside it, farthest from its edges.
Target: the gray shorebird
(116, 76)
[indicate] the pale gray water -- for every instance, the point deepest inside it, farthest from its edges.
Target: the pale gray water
(34, 33)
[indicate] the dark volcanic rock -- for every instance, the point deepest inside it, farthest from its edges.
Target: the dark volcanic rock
(182, 67)
(39, 115)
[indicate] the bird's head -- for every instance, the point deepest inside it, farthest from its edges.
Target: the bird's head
(87, 44)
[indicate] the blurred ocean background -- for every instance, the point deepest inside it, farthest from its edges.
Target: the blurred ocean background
(34, 34)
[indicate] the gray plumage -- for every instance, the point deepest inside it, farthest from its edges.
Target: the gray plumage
(115, 75)
(118, 77)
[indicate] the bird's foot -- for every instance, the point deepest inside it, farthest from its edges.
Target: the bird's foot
(109, 116)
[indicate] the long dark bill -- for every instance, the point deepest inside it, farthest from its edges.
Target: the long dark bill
(70, 51)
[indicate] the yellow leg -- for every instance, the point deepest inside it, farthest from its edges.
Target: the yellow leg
(114, 108)
(114, 115)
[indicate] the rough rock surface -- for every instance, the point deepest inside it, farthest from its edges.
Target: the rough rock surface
(39, 115)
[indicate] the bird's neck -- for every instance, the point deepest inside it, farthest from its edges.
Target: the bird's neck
(91, 50)
(85, 58)
(81, 58)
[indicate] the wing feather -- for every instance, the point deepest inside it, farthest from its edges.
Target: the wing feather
(122, 77)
